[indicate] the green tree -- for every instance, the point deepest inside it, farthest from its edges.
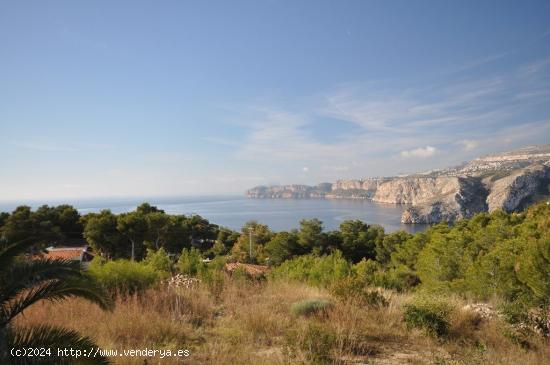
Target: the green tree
(389, 244)
(260, 234)
(3, 218)
(533, 264)
(407, 253)
(24, 283)
(190, 262)
(158, 226)
(283, 246)
(19, 225)
(68, 221)
(311, 237)
(132, 226)
(100, 231)
(359, 240)
(177, 235)
(439, 261)
(225, 240)
(146, 208)
(158, 260)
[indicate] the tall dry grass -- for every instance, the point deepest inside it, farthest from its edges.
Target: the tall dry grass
(251, 323)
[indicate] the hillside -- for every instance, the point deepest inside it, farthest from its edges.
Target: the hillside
(508, 180)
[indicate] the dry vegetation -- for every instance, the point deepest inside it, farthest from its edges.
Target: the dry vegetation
(251, 323)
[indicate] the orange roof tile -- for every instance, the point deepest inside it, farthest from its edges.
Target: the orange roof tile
(63, 253)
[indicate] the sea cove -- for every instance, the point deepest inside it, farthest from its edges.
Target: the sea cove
(234, 211)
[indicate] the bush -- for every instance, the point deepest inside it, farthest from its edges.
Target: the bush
(158, 260)
(310, 307)
(347, 288)
(400, 279)
(190, 262)
(316, 342)
(353, 288)
(123, 275)
(430, 315)
(315, 270)
(364, 270)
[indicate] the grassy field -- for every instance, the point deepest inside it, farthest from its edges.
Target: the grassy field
(250, 322)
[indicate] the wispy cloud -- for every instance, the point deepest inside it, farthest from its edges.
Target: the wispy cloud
(438, 123)
(481, 61)
(421, 152)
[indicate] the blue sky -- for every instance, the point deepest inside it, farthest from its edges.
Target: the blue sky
(160, 98)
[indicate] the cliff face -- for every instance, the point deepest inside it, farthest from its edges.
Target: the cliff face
(467, 199)
(514, 191)
(508, 181)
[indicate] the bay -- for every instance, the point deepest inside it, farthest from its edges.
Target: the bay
(234, 211)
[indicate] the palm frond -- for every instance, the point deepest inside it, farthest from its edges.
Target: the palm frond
(26, 274)
(54, 290)
(10, 252)
(54, 338)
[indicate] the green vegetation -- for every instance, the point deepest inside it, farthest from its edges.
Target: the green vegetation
(309, 307)
(314, 270)
(190, 262)
(123, 276)
(23, 284)
(316, 341)
(352, 288)
(491, 255)
(497, 258)
(430, 314)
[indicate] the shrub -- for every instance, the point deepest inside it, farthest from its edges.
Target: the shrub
(364, 270)
(123, 275)
(316, 342)
(374, 299)
(310, 307)
(347, 288)
(190, 262)
(158, 260)
(429, 314)
(315, 270)
(400, 279)
(353, 288)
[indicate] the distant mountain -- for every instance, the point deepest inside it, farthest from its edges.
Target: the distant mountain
(509, 181)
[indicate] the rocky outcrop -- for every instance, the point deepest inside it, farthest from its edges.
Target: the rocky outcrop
(289, 191)
(467, 199)
(508, 181)
(514, 191)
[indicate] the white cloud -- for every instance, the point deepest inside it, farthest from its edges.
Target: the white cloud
(421, 152)
(462, 118)
(305, 169)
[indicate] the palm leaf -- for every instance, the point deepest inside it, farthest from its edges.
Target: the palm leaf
(26, 274)
(54, 338)
(54, 290)
(10, 252)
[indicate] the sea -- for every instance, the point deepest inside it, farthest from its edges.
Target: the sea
(234, 211)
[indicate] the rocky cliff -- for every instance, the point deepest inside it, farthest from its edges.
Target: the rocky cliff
(508, 181)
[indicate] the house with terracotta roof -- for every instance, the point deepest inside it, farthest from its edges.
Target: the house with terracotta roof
(82, 254)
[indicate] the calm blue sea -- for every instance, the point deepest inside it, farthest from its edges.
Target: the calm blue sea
(234, 211)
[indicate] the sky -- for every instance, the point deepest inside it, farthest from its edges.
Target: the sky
(164, 98)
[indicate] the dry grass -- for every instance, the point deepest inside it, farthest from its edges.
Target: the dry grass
(251, 323)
